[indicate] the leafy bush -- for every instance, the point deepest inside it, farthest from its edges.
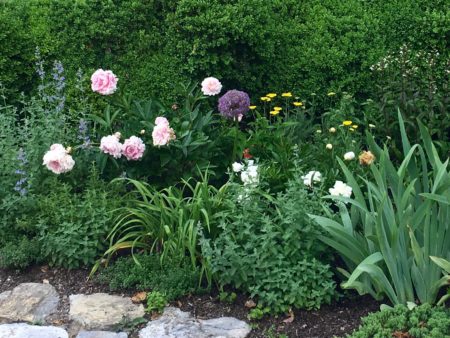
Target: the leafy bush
(156, 301)
(420, 322)
(270, 248)
(167, 221)
(203, 140)
(399, 219)
(19, 254)
(312, 46)
(73, 226)
(173, 279)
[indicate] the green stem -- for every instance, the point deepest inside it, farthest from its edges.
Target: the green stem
(236, 129)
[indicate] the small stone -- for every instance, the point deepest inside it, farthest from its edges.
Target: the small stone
(225, 327)
(101, 311)
(101, 334)
(28, 302)
(23, 330)
(175, 323)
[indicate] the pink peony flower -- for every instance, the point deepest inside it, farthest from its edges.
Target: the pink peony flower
(104, 82)
(162, 135)
(161, 121)
(58, 160)
(133, 148)
(211, 86)
(111, 145)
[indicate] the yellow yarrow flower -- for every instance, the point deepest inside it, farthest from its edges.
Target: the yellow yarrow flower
(288, 94)
(355, 126)
(277, 108)
(271, 95)
(265, 98)
(274, 112)
(351, 129)
(297, 104)
(347, 123)
(252, 107)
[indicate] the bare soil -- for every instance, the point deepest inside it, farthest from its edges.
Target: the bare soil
(337, 319)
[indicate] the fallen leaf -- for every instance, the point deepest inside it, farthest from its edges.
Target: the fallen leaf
(155, 315)
(291, 317)
(250, 304)
(139, 297)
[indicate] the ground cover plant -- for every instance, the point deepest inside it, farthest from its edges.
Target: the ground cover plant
(173, 279)
(421, 321)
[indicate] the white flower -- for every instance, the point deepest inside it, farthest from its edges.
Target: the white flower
(341, 189)
(332, 130)
(349, 156)
(237, 167)
(329, 146)
(250, 162)
(371, 125)
(312, 176)
(250, 176)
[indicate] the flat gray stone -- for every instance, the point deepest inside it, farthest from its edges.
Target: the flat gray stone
(4, 295)
(225, 327)
(101, 311)
(101, 334)
(28, 302)
(175, 323)
(22, 330)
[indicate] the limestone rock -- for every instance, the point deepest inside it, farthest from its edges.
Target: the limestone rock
(225, 327)
(101, 311)
(22, 330)
(101, 334)
(28, 302)
(175, 323)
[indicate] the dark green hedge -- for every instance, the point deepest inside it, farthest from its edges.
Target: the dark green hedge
(256, 45)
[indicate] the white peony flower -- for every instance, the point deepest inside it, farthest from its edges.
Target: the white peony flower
(341, 189)
(237, 167)
(349, 156)
(312, 176)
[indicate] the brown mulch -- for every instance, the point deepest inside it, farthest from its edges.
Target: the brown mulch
(337, 319)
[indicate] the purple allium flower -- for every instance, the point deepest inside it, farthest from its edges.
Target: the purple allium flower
(234, 103)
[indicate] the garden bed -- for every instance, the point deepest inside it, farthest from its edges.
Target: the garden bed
(337, 319)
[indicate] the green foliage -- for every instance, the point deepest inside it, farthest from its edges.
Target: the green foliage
(173, 278)
(269, 248)
(203, 140)
(156, 301)
(228, 297)
(422, 321)
(19, 254)
(258, 312)
(399, 219)
(73, 226)
(312, 46)
(167, 221)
